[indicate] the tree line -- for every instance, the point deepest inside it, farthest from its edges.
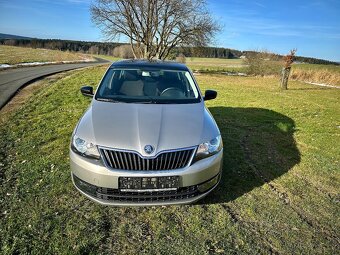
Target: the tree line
(124, 51)
(103, 48)
(114, 49)
(300, 59)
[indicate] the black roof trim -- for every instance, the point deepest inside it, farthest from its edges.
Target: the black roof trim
(152, 64)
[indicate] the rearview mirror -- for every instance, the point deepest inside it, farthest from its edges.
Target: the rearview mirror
(210, 94)
(87, 91)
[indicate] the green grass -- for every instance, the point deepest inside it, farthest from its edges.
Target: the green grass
(212, 65)
(279, 191)
(215, 61)
(14, 55)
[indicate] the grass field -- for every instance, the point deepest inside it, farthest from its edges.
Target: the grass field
(14, 55)
(279, 192)
(215, 64)
(203, 64)
(328, 74)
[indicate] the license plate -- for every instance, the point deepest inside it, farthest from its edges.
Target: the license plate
(148, 183)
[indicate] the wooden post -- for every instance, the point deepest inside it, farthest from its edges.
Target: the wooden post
(285, 77)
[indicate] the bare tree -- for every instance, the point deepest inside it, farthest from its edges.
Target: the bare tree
(155, 27)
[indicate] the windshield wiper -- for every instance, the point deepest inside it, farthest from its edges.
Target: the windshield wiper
(143, 101)
(109, 100)
(147, 100)
(120, 99)
(129, 101)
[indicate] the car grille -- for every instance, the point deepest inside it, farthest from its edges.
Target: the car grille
(115, 195)
(133, 161)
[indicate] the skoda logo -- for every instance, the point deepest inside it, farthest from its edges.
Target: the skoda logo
(148, 149)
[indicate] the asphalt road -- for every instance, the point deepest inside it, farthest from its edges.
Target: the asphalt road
(11, 80)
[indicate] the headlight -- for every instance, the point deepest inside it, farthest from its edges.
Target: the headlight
(208, 149)
(84, 148)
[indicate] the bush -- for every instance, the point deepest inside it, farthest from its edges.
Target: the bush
(262, 63)
(181, 58)
(123, 51)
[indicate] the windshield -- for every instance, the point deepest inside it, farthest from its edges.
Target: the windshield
(148, 86)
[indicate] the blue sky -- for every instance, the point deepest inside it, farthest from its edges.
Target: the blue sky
(311, 26)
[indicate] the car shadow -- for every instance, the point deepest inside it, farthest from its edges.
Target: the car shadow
(259, 146)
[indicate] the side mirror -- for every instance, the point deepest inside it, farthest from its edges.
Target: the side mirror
(87, 91)
(210, 94)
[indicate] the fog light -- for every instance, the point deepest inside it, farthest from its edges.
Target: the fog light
(209, 184)
(84, 186)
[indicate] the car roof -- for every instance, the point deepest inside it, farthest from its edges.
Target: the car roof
(152, 64)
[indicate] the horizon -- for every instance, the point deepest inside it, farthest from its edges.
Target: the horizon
(246, 26)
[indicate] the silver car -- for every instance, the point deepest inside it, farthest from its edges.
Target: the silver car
(147, 137)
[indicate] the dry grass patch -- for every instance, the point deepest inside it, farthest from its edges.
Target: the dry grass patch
(12, 55)
(318, 76)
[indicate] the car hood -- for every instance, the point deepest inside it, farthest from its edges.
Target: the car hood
(131, 126)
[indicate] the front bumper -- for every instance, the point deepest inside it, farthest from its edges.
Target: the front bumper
(100, 184)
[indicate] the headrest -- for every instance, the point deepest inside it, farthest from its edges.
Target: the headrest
(170, 76)
(130, 75)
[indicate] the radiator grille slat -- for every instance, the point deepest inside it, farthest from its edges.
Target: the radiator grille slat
(139, 163)
(169, 160)
(107, 156)
(129, 160)
(173, 163)
(111, 157)
(114, 155)
(120, 160)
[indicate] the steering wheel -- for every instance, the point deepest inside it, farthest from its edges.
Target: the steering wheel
(172, 92)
